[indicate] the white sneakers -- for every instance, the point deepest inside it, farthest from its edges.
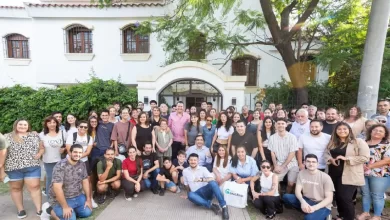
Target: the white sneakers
(45, 215)
(94, 205)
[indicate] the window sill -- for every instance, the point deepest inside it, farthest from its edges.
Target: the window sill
(135, 56)
(17, 62)
(79, 56)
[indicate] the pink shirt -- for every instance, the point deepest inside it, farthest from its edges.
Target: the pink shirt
(176, 124)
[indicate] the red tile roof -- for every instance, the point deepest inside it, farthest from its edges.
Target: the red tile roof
(115, 5)
(11, 7)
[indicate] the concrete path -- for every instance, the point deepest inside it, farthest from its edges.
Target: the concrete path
(148, 206)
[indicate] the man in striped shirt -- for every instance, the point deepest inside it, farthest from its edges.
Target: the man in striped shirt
(283, 146)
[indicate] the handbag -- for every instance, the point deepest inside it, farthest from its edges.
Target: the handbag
(122, 147)
(235, 194)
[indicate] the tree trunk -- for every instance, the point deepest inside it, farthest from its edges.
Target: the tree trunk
(373, 57)
(295, 73)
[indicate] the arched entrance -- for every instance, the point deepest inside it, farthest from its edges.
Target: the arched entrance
(192, 92)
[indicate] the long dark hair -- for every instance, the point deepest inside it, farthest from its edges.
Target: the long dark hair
(67, 125)
(384, 139)
(47, 120)
(228, 121)
(90, 129)
(226, 157)
(235, 157)
(205, 113)
(264, 130)
(190, 124)
(335, 140)
(147, 122)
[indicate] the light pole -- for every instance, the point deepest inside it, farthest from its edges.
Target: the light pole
(373, 57)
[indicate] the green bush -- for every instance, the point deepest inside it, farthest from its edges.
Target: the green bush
(34, 105)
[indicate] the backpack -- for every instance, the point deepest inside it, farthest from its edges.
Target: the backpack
(75, 137)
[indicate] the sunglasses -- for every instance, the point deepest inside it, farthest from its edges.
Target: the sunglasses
(382, 121)
(209, 120)
(265, 167)
(84, 127)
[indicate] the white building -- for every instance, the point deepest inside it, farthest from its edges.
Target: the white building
(62, 42)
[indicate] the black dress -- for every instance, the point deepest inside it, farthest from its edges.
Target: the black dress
(143, 135)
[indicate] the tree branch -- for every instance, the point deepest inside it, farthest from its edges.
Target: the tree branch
(285, 16)
(270, 18)
(302, 19)
(252, 43)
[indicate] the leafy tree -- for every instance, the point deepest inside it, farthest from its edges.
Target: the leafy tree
(34, 105)
(294, 27)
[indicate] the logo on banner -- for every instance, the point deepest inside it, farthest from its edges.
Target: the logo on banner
(231, 192)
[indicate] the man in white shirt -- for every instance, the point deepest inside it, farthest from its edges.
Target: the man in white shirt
(203, 152)
(301, 124)
(313, 192)
(315, 143)
(202, 187)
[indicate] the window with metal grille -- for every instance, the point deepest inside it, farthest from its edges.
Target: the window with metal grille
(197, 50)
(246, 66)
(16, 46)
(78, 39)
(134, 43)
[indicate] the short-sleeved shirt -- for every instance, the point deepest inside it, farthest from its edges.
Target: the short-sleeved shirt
(328, 128)
(192, 132)
(83, 141)
(223, 171)
(282, 147)
(3, 142)
(166, 172)
(119, 132)
(175, 163)
(298, 129)
(148, 160)
(71, 177)
(249, 168)
(248, 140)
(130, 166)
(52, 146)
(203, 153)
(315, 145)
(112, 171)
(191, 175)
(103, 135)
(223, 134)
(314, 186)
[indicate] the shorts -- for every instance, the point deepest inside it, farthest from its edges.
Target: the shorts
(292, 174)
(169, 185)
(89, 171)
(24, 173)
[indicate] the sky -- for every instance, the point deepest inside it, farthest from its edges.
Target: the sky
(16, 2)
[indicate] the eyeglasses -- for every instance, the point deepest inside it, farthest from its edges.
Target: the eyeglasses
(84, 127)
(265, 167)
(382, 121)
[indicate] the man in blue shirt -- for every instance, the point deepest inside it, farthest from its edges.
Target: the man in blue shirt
(203, 152)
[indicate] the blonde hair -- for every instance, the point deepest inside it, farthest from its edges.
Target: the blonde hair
(14, 133)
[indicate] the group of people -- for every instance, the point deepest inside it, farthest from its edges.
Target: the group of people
(320, 155)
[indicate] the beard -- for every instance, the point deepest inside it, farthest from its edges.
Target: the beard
(315, 132)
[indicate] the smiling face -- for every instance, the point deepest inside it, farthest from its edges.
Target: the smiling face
(76, 154)
(104, 116)
(193, 110)
(52, 125)
(125, 114)
(142, 118)
(221, 152)
(321, 115)
(202, 115)
(331, 115)
(353, 112)
(342, 131)
(193, 161)
(93, 122)
(315, 128)
(179, 108)
(71, 119)
(82, 128)
(22, 126)
(112, 112)
(194, 119)
(268, 123)
(266, 168)
(311, 164)
(58, 116)
(378, 133)
(241, 154)
(236, 117)
(267, 113)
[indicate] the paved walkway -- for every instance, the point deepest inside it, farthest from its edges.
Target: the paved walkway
(170, 207)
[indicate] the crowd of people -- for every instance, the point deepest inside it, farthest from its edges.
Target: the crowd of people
(322, 158)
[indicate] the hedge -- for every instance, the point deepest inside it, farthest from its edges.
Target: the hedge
(34, 105)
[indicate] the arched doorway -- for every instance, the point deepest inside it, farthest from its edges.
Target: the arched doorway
(192, 92)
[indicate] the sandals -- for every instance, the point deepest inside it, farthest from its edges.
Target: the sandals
(364, 216)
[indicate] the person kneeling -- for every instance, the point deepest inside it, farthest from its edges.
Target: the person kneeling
(201, 187)
(313, 192)
(168, 177)
(268, 200)
(132, 181)
(109, 171)
(70, 178)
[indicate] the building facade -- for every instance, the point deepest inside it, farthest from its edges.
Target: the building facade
(56, 43)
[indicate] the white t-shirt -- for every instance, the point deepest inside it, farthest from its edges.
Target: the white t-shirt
(223, 171)
(71, 131)
(298, 129)
(315, 145)
(52, 146)
(223, 134)
(83, 141)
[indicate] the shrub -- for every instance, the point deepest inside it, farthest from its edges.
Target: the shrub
(34, 105)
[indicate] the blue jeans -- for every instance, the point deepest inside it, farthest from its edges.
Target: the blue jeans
(373, 191)
(49, 174)
(204, 195)
(151, 182)
(320, 214)
(77, 204)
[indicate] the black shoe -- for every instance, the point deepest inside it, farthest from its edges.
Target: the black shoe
(334, 204)
(215, 208)
(22, 214)
(162, 192)
(154, 190)
(271, 216)
(100, 198)
(39, 213)
(225, 213)
(111, 193)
